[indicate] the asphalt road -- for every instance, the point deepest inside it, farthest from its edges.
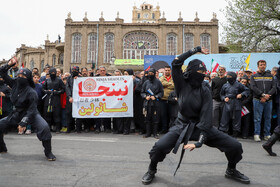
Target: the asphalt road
(90, 159)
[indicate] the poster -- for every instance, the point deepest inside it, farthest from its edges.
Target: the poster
(103, 97)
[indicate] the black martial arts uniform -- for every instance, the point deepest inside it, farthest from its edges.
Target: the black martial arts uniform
(232, 108)
(152, 87)
(194, 120)
(53, 87)
(24, 99)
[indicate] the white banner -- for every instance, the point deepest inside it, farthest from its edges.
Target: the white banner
(103, 97)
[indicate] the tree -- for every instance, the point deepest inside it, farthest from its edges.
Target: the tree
(254, 23)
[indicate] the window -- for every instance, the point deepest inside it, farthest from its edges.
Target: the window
(138, 44)
(53, 59)
(108, 47)
(42, 65)
(138, 16)
(32, 64)
(153, 15)
(60, 60)
(205, 41)
(76, 48)
(92, 48)
(171, 44)
(189, 42)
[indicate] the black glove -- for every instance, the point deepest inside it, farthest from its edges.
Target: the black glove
(200, 142)
(23, 122)
(279, 62)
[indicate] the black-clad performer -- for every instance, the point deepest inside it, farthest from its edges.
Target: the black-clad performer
(24, 99)
(194, 121)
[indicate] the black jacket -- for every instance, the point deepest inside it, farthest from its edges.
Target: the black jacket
(6, 101)
(155, 86)
(262, 83)
(216, 86)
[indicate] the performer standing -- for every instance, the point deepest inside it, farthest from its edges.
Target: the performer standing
(24, 99)
(194, 121)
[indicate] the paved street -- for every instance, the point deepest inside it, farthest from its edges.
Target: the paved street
(90, 159)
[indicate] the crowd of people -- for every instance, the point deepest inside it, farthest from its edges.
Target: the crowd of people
(245, 104)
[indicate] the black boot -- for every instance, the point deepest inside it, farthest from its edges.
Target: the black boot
(155, 131)
(57, 128)
(48, 150)
(148, 130)
(269, 143)
(149, 176)
(3, 148)
(236, 175)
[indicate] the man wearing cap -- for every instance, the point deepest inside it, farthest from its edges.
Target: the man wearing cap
(194, 120)
(53, 87)
(152, 92)
(249, 73)
(24, 99)
(232, 92)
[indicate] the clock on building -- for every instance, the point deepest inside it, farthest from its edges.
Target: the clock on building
(146, 15)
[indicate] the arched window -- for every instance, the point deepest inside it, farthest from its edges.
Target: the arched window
(32, 64)
(60, 59)
(92, 48)
(138, 44)
(205, 41)
(171, 44)
(108, 47)
(189, 42)
(53, 59)
(76, 48)
(42, 65)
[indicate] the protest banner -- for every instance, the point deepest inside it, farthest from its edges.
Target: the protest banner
(103, 97)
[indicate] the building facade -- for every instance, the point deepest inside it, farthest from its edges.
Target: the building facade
(95, 43)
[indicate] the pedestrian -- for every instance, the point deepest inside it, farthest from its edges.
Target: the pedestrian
(24, 99)
(194, 120)
(263, 87)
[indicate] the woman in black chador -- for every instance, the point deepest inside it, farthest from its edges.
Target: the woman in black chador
(24, 99)
(194, 121)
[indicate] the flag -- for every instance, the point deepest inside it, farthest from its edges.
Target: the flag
(22, 64)
(247, 61)
(244, 111)
(214, 66)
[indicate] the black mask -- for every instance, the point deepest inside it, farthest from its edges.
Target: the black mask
(22, 83)
(2, 82)
(196, 79)
(75, 73)
(151, 77)
(231, 80)
(53, 76)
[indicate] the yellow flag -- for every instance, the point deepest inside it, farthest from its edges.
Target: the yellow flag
(247, 62)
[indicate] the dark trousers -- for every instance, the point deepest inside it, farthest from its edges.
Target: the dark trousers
(164, 115)
(245, 124)
(70, 120)
(225, 143)
(106, 123)
(226, 117)
(41, 126)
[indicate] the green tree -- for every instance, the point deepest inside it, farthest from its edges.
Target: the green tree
(254, 23)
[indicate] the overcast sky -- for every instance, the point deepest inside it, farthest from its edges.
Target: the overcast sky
(29, 21)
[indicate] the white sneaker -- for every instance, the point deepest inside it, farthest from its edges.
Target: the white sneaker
(257, 138)
(27, 132)
(266, 137)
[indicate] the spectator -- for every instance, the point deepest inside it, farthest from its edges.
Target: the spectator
(117, 73)
(142, 74)
(241, 74)
(84, 72)
(217, 84)
(165, 108)
(40, 93)
(152, 91)
(13, 71)
(174, 107)
(231, 93)
(213, 75)
(53, 87)
(247, 105)
(5, 102)
(249, 73)
(63, 108)
(207, 79)
(106, 122)
(263, 87)
(58, 72)
(35, 70)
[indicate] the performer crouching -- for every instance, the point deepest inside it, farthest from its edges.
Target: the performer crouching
(24, 99)
(194, 121)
